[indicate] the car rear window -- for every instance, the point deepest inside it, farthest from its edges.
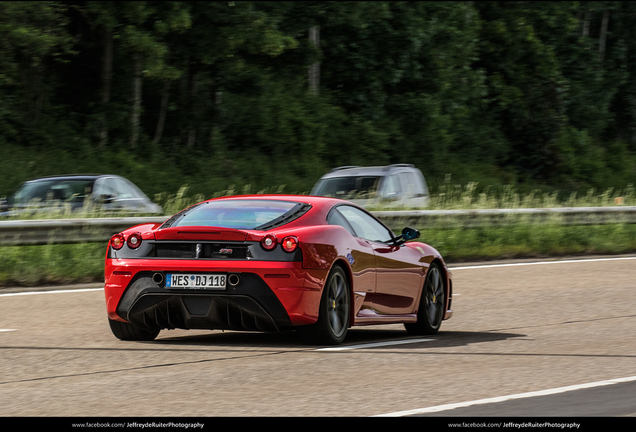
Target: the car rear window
(239, 214)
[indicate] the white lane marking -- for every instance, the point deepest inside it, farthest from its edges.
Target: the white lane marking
(540, 263)
(507, 398)
(50, 292)
(373, 345)
(7, 330)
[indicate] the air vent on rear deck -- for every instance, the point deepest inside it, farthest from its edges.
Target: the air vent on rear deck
(200, 250)
(175, 250)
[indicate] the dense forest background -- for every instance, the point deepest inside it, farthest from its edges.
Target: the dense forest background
(271, 94)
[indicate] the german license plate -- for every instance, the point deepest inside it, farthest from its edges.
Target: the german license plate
(196, 281)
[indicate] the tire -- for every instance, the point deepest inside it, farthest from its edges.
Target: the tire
(128, 332)
(334, 312)
(432, 304)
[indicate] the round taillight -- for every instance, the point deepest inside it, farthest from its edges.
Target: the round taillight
(134, 240)
(117, 241)
(290, 243)
(268, 242)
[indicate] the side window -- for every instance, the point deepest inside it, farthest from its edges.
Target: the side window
(409, 185)
(335, 218)
(58, 192)
(122, 190)
(104, 186)
(137, 193)
(365, 225)
(391, 187)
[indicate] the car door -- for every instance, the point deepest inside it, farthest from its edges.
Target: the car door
(105, 194)
(399, 279)
(398, 274)
(361, 256)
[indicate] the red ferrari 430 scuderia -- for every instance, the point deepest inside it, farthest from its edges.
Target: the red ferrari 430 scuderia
(273, 263)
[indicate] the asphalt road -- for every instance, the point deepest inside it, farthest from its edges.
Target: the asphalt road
(518, 333)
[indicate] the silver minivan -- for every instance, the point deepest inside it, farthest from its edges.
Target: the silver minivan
(391, 186)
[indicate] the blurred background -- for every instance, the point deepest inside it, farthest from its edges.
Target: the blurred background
(269, 96)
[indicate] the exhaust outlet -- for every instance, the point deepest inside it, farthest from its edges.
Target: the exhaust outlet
(233, 279)
(157, 278)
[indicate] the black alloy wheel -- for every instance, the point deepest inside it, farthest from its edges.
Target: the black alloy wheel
(335, 309)
(431, 310)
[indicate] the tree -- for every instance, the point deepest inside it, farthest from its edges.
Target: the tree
(224, 38)
(33, 36)
(527, 89)
(140, 29)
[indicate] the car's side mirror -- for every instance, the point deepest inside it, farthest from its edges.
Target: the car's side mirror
(105, 198)
(408, 233)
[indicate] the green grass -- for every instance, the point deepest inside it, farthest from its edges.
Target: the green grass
(531, 241)
(52, 264)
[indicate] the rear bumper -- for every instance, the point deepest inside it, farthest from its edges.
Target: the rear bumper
(251, 305)
(269, 296)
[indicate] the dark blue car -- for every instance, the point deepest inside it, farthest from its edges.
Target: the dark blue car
(101, 192)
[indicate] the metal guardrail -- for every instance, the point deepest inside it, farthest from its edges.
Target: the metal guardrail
(442, 219)
(66, 231)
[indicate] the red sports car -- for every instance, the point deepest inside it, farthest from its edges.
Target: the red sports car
(273, 263)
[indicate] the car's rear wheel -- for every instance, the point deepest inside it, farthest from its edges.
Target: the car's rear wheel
(128, 332)
(335, 308)
(432, 303)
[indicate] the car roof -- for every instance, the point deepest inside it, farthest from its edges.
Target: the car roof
(355, 171)
(73, 177)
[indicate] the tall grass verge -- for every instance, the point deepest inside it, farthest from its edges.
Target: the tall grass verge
(52, 264)
(531, 241)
